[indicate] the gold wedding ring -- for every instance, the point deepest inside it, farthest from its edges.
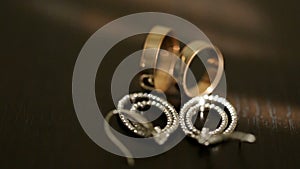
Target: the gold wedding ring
(159, 56)
(213, 62)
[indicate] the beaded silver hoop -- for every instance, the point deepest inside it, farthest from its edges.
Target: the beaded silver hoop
(160, 135)
(223, 132)
(192, 130)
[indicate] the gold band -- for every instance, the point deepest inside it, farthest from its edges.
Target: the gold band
(156, 56)
(213, 61)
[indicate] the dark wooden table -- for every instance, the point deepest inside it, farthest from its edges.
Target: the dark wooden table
(40, 42)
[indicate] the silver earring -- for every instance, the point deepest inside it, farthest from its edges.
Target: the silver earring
(133, 119)
(225, 131)
(159, 135)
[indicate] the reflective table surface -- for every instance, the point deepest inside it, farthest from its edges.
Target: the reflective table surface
(40, 43)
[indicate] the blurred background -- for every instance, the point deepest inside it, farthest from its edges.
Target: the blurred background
(40, 42)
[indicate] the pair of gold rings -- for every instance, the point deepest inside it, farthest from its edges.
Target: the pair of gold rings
(158, 48)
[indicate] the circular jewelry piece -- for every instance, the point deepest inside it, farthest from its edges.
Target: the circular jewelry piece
(159, 54)
(232, 112)
(142, 100)
(213, 61)
(199, 103)
(193, 111)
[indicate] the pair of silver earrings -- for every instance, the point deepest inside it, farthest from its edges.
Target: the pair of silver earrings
(133, 119)
(197, 104)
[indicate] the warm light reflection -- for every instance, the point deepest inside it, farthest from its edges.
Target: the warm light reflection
(231, 25)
